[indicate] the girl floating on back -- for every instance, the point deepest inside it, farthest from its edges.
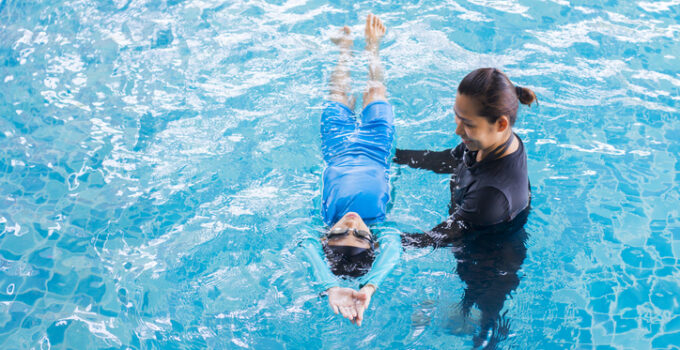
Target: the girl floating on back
(357, 152)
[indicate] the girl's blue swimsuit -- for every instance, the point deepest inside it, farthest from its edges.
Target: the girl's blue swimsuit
(357, 152)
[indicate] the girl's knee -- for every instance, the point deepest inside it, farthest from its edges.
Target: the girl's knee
(375, 92)
(341, 98)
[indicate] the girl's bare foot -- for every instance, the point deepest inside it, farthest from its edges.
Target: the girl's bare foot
(343, 39)
(375, 30)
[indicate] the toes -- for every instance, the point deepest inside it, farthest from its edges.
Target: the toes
(374, 22)
(371, 20)
(346, 29)
(374, 26)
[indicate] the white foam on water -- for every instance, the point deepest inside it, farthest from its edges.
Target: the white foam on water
(658, 6)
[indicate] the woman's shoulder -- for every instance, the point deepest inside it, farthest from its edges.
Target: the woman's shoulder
(516, 159)
(458, 151)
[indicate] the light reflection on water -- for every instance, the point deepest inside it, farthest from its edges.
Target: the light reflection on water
(161, 160)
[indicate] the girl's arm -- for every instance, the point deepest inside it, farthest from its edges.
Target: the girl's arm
(387, 259)
(321, 273)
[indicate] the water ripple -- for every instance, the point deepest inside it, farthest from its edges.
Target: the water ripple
(161, 163)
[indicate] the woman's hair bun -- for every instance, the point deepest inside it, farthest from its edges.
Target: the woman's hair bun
(525, 95)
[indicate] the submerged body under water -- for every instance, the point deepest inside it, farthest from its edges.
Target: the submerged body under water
(487, 262)
(161, 163)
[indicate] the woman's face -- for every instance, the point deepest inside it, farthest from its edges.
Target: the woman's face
(476, 131)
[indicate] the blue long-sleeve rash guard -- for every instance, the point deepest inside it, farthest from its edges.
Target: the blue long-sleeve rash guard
(357, 153)
(388, 257)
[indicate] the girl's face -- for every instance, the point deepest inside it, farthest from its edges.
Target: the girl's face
(351, 220)
(476, 131)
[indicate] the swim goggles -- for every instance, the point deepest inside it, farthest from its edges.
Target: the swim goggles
(339, 232)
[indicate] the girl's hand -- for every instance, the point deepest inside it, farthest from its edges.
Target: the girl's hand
(362, 300)
(342, 300)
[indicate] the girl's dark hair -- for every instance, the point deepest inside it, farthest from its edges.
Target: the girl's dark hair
(495, 94)
(348, 261)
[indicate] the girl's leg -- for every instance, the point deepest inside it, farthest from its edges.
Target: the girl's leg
(377, 121)
(337, 120)
(340, 78)
(375, 30)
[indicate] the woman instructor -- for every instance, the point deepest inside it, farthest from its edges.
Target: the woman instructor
(489, 182)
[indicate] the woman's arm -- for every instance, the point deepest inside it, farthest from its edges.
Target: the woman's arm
(444, 234)
(481, 209)
(443, 162)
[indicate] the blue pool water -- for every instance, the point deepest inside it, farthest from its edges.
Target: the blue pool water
(160, 160)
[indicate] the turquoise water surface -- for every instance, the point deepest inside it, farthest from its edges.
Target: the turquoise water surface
(160, 161)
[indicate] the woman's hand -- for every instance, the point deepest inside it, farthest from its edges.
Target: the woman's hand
(401, 157)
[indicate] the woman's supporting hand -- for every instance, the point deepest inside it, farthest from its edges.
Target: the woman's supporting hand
(401, 157)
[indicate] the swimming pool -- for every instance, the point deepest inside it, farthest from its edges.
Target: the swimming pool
(160, 160)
